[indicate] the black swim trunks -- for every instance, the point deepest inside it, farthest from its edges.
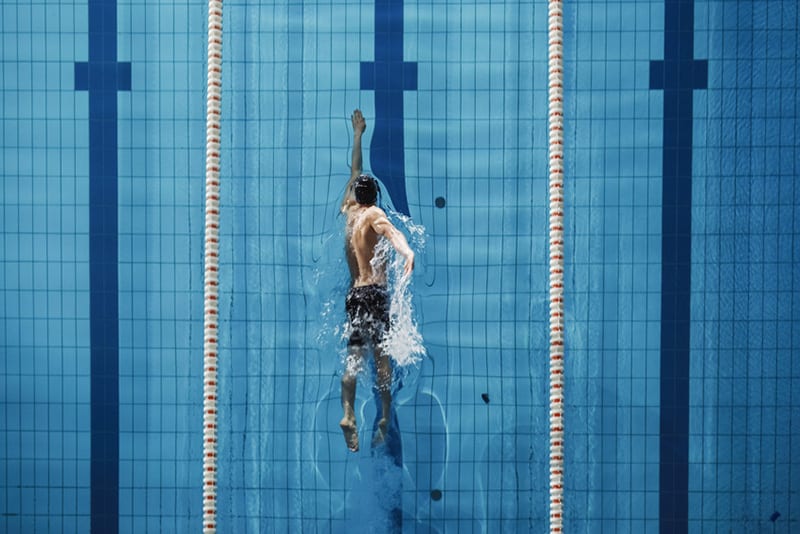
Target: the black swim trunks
(368, 312)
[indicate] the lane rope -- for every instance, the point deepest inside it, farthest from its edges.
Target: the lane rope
(556, 186)
(211, 266)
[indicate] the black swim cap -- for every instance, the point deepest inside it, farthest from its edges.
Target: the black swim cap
(366, 190)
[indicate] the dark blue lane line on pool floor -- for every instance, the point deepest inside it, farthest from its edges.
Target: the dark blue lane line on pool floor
(389, 473)
(389, 76)
(678, 75)
(103, 76)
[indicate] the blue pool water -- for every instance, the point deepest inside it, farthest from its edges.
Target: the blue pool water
(682, 248)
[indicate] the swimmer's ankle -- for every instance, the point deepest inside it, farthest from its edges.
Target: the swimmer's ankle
(350, 431)
(380, 433)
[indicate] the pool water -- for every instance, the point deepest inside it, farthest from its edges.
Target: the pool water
(682, 279)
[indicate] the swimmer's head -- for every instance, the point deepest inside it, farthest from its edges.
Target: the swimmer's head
(366, 190)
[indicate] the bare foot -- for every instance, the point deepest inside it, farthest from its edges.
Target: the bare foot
(350, 431)
(380, 433)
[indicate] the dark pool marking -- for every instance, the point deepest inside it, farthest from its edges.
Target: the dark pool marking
(103, 76)
(392, 449)
(678, 75)
(439, 202)
(389, 76)
(436, 494)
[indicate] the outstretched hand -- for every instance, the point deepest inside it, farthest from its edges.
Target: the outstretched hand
(359, 124)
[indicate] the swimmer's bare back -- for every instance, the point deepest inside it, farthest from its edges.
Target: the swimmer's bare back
(361, 240)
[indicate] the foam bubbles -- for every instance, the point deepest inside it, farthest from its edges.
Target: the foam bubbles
(404, 342)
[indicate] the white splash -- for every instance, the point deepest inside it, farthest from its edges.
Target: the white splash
(403, 342)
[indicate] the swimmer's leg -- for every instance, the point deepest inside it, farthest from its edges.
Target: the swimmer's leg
(348, 422)
(383, 368)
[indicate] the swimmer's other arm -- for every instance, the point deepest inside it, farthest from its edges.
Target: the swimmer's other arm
(384, 227)
(359, 125)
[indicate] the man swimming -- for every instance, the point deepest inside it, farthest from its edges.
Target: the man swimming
(368, 299)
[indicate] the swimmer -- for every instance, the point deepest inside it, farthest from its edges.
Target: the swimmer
(367, 301)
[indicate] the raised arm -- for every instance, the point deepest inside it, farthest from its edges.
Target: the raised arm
(384, 227)
(359, 125)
